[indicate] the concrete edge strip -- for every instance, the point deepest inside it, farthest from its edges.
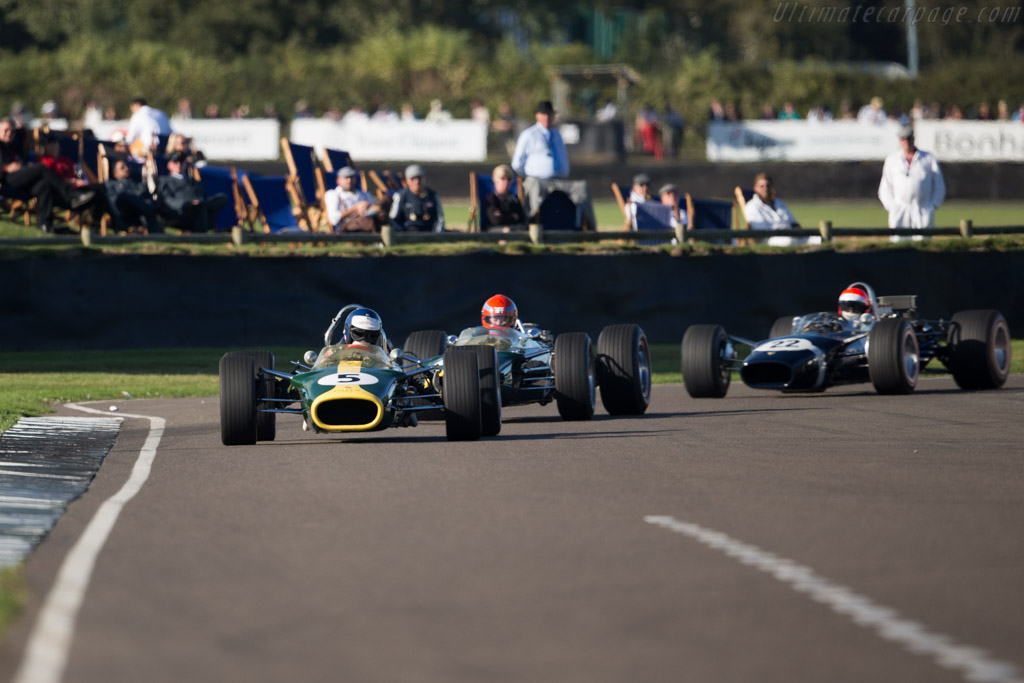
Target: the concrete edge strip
(46, 654)
(973, 663)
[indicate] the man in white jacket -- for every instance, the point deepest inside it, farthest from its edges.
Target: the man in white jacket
(912, 187)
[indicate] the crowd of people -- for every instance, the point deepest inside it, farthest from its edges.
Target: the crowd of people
(911, 188)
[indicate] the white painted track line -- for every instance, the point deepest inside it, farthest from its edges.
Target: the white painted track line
(975, 664)
(46, 654)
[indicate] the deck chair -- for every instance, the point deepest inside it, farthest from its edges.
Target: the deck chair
(710, 214)
(221, 179)
(105, 165)
(653, 215)
(742, 197)
(333, 160)
(621, 193)
(558, 212)
(481, 185)
(89, 158)
(301, 160)
(272, 204)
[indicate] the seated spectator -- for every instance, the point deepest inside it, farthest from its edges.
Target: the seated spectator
(350, 209)
(179, 143)
(61, 165)
(129, 204)
(182, 201)
(502, 206)
(637, 195)
(873, 112)
(669, 196)
(37, 181)
(765, 211)
(416, 207)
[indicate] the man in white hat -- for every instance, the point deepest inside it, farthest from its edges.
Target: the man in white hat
(912, 187)
(416, 207)
(349, 207)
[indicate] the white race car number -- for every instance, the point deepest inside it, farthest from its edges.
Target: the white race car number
(790, 344)
(347, 379)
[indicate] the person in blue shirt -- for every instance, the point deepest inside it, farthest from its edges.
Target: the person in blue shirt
(540, 150)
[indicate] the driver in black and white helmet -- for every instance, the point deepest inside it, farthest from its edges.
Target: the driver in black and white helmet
(363, 326)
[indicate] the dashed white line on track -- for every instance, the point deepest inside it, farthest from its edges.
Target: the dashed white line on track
(973, 663)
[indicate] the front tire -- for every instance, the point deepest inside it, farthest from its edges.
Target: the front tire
(490, 389)
(426, 344)
(979, 342)
(707, 371)
(266, 423)
(237, 371)
(575, 384)
(894, 358)
(624, 369)
(462, 401)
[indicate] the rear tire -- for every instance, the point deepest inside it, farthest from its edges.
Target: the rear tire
(979, 342)
(894, 358)
(237, 372)
(462, 404)
(705, 374)
(575, 383)
(490, 389)
(266, 423)
(426, 345)
(624, 369)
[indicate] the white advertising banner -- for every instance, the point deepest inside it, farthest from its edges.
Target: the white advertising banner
(800, 141)
(220, 139)
(950, 141)
(457, 140)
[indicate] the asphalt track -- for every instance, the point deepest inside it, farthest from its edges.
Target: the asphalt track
(842, 536)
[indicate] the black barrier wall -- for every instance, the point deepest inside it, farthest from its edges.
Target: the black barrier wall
(117, 302)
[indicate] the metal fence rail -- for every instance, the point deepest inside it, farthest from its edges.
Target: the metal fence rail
(389, 237)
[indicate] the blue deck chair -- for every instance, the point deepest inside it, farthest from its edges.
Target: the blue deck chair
(90, 158)
(710, 214)
(653, 216)
(301, 160)
(481, 185)
(271, 200)
(221, 180)
(334, 160)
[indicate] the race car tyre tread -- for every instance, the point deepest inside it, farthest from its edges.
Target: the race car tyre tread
(266, 423)
(892, 346)
(426, 344)
(573, 365)
(624, 369)
(782, 327)
(980, 349)
(237, 373)
(462, 401)
(490, 389)
(701, 361)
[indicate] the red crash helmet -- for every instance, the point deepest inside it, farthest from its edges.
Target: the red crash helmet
(499, 311)
(853, 303)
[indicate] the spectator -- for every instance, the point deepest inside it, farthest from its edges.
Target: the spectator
(129, 204)
(479, 113)
(1002, 111)
(955, 113)
(93, 116)
(669, 196)
(302, 110)
(768, 112)
(502, 206)
(349, 208)
(110, 114)
(408, 113)
(212, 111)
(732, 112)
(355, 115)
(789, 112)
(846, 111)
(145, 127)
(184, 112)
(984, 112)
(918, 111)
(672, 131)
(873, 112)
(49, 111)
(765, 211)
(637, 195)
(61, 165)
(384, 113)
(912, 187)
(182, 200)
(1018, 114)
(437, 113)
(819, 113)
(37, 181)
(505, 127)
(334, 114)
(541, 158)
(716, 112)
(417, 207)
(648, 129)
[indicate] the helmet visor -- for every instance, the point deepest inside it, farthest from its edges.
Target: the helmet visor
(854, 307)
(365, 336)
(500, 320)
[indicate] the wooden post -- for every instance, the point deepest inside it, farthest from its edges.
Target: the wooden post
(966, 228)
(825, 228)
(237, 235)
(387, 234)
(86, 235)
(537, 233)
(680, 233)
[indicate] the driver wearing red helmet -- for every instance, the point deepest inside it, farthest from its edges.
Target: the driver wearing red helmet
(499, 312)
(853, 303)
